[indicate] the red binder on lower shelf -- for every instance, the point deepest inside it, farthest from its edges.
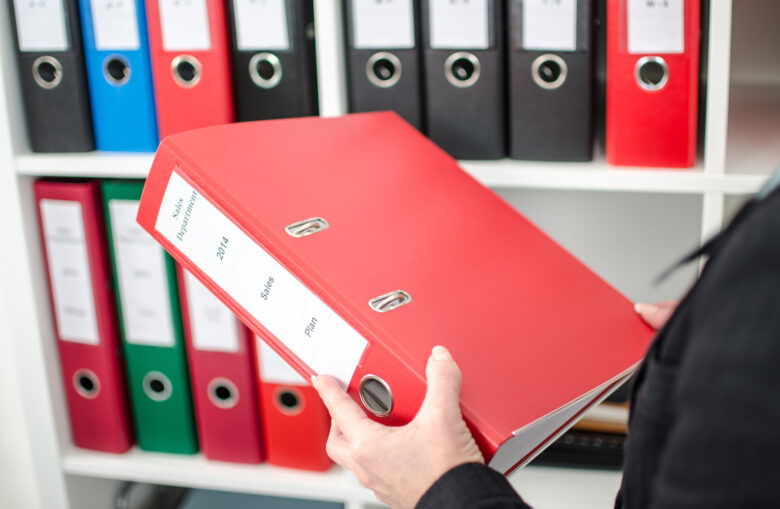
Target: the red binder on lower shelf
(222, 370)
(74, 241)
(357, 254)
(295, 421)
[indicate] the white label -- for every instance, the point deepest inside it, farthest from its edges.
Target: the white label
(261, 25)
(41, 25)
(71, 281)
(459, 24)
(550, 25)
(214, 327)
(656, 26)
(116, 24)
(258, 283)
(142, 278)
(274, 369)
(185, 25)
(383, 24)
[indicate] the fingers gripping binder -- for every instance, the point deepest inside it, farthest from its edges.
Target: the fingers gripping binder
(300, 245)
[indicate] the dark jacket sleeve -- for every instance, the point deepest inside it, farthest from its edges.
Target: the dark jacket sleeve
(472, 486)
(723, 450)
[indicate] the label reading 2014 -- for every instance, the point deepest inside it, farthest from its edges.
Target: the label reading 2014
(257, 283)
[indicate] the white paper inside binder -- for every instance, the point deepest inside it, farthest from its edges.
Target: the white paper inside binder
(257, 282)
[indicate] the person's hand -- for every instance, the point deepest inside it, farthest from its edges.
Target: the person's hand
(656, 315)
(399, 464)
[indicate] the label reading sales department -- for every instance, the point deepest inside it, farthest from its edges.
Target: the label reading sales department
(257, 282)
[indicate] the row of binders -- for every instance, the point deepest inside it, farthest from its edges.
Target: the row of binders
(484, 79)
(150, 356)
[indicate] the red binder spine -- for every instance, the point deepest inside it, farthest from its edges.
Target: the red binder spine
(294, 420)
(71, 226)
(652, 82)
(222, 369)
(190, 64)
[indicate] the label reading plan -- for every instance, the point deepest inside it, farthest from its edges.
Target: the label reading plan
(116, 24)
(142, 277)
(550, 25)
(41, 25)
(656, 26)
(257, 282)
(185, 25)
(71, 281)
(383, 24)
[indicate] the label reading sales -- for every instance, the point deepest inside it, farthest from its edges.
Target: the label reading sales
(257, 282)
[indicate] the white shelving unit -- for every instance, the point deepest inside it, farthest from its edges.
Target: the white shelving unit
(627, 223)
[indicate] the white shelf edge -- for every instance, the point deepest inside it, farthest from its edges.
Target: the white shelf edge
(594, 176)
(197, 472)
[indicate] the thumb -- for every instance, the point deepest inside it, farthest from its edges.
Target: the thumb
(656, 315)
(442, 397)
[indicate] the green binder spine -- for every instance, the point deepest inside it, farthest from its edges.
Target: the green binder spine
(152, 335)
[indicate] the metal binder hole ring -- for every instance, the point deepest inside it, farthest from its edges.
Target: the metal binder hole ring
(223, 393)
(47, 72)
(86, 383)
(186, 70)
(307, 227)
(288, 400)
(116, 70)
(462, 69)
(651, 73)
(157, 386)
(390, 301)
(376, 395)
(383, 69)
(265, 69)
(549, 71)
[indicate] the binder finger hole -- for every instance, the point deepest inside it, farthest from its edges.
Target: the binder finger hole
(376, 396)
(157, 386)
(47, 72)
(116, 70)
(383, 69)
(265, 69)
(223, 393)
(186, 71)
(651, 73)
(549, 71)
(86, 383)
(462, 69)
(288, 401)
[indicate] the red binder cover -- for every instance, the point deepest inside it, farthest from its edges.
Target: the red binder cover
(222, 370)
(295, 421)
(190, 64)
(74, 242)
(353, 245)
(652, 82)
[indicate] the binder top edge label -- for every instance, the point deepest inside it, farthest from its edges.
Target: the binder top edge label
(69, 271)
(115, 25)
(261, 25)
(655, 26)
(257, 282)
(185, 25)
(383, 25)
(41, 25)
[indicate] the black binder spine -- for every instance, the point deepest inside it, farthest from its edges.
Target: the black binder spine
(54, 89)
(276, 83)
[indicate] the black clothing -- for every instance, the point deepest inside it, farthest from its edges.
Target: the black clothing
(705, 414)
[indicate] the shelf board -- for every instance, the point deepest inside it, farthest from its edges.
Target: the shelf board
(541, 486)
(593, 176)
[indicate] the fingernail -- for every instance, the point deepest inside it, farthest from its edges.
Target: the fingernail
(314, 381)
(642, 308)
(440, 353)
